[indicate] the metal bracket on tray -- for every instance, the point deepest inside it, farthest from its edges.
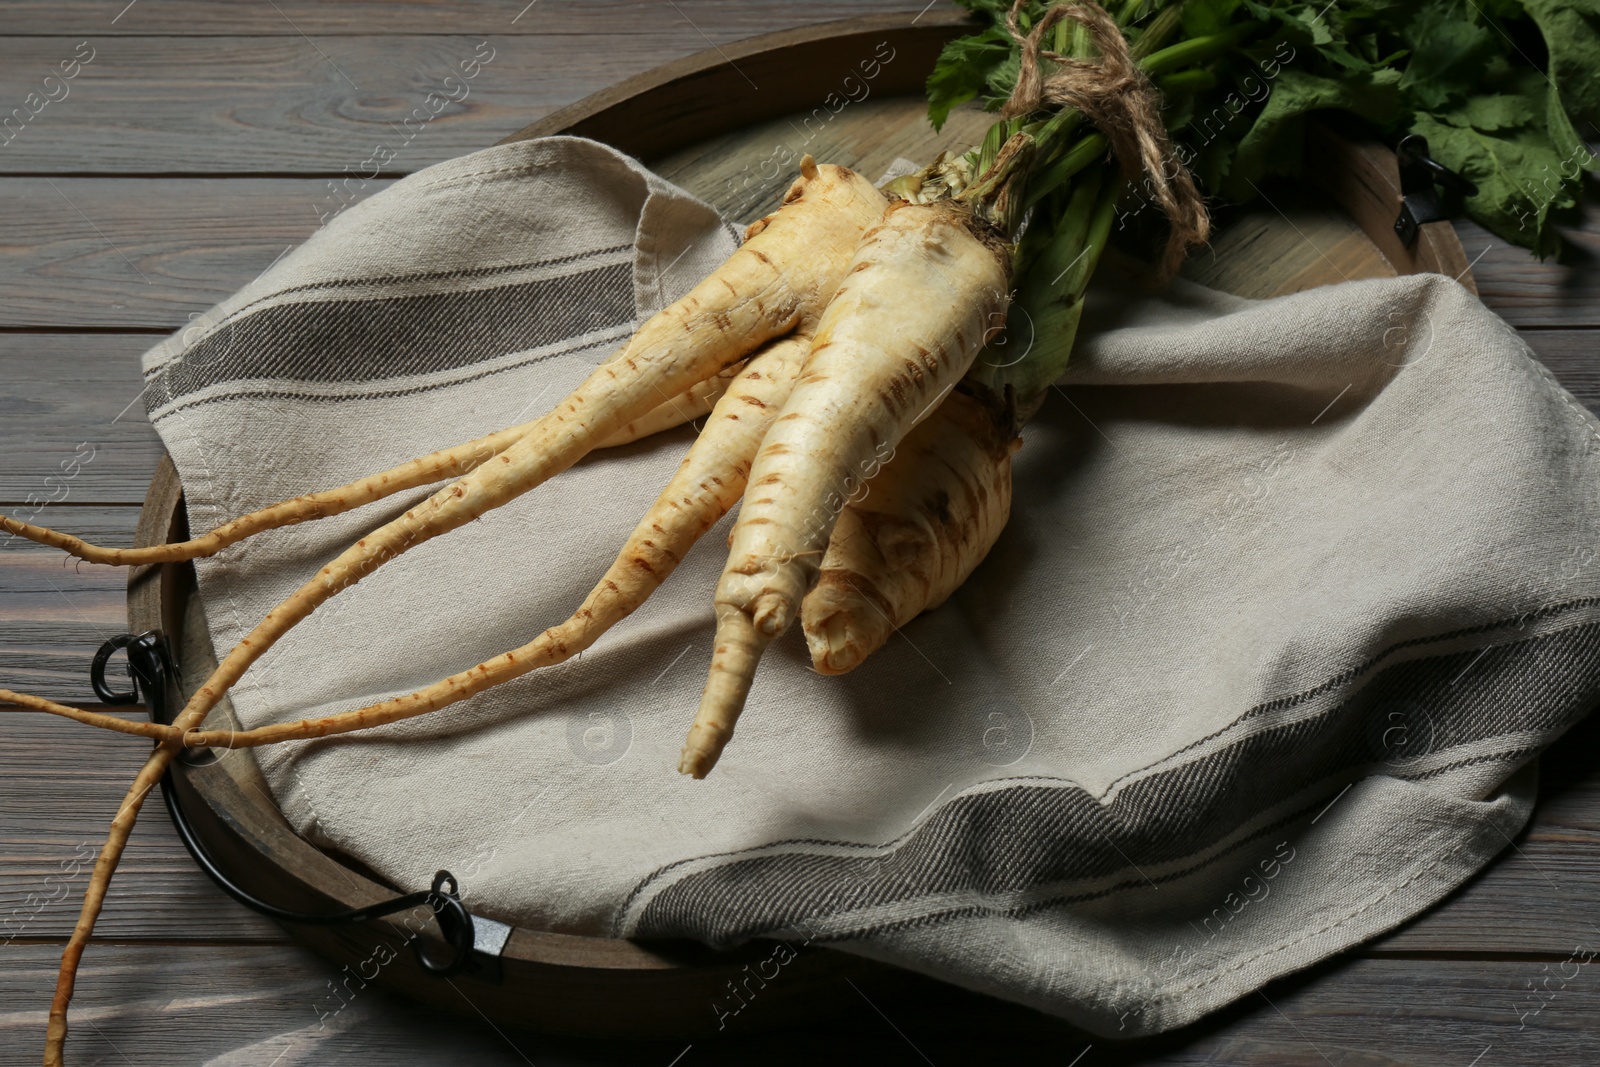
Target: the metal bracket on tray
(1420, 173)
(153, 673)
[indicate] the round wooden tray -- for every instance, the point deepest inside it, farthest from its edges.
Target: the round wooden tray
(729, 125)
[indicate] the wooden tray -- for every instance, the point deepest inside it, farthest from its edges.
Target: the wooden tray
(729, 125)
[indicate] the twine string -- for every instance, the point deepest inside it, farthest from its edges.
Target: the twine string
(1114, 94)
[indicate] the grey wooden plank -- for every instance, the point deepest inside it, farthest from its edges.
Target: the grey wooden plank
(150, 252)
(151, 1004)
(55, 613)
(290, 104)
(720, 20)
(1573, 356)
(72, 430)
(60, 786)
(1527, 292)
(54, 617)
(141, 252)
(247, 1005)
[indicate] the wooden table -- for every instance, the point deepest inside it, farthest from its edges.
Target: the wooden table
(196, 143)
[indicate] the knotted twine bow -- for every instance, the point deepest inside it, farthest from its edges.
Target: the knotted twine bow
(1114, 94)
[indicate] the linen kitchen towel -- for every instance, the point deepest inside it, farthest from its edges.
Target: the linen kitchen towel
(1292, 595)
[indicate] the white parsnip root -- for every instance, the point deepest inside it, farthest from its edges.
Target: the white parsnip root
(707, 485)
(767, 288)
(693, 402)
(922, 295)
(926, 522)
(434, 467)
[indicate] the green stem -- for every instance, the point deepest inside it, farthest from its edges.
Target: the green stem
(1105, 213)
(1195, 50)
(1052, 159)
(1155, 35)
(1197, 80)
(1053, 274)
(1056, 174)
(1072, 190)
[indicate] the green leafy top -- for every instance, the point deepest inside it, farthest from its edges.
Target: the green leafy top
(1497, 86)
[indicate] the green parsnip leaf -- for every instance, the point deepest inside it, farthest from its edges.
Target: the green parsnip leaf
(1571, 30)
(963, 71)
(1449, 48)
(1497, 111)
(1274, 144)
(1201, 18)
(1502, 89)
(1518, 174)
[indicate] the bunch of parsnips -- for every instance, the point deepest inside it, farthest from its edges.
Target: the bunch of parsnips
(853, 406)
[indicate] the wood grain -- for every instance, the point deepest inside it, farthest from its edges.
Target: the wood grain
(1362, 175)
(719, 20)
(283, 105)
(60, 784)
(1572, 356)
(1300, 243)
(270, 1004)
(72, 428)
(140, 252)
(54, 620)
(810, 74)
(1528, 292)
(744, 173)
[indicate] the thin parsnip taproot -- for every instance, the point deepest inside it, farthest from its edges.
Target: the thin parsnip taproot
(708, 483)
(927, 520)
(136, 727)
(424, 470)
(687, 406)
(693, 402)
(924, 292)
(778, 281)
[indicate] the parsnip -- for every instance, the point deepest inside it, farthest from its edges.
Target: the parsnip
(434, 467)
(922, 295)
(765, 289)
(927, 520)
(707, 485)
(688, 405)
(673, 412)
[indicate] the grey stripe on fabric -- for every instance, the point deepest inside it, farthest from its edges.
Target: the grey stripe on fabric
(272, 390)
(396, 337)
(1024, 836)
